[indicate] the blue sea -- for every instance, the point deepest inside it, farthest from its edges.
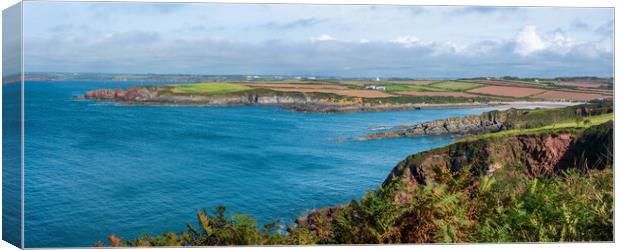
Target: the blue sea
(95, 168)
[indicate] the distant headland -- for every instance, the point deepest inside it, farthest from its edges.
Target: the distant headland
(334, 95)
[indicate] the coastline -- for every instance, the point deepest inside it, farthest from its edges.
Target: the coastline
(314, 100)
(307, 104)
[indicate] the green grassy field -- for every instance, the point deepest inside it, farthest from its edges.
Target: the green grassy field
(433, 87)
(207, 88)
(456, 85)
(403, 87)
(411, 82)
(562, 125)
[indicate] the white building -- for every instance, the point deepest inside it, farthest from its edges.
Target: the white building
(375, 87)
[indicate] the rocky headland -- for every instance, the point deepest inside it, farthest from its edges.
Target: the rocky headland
(490, 122)
(296, 101)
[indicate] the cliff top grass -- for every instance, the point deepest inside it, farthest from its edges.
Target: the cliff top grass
(212, 88)
(569, 124)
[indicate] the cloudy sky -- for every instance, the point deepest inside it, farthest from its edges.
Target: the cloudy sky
(343, 40)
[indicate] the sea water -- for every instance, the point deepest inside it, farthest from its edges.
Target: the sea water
(96, 168)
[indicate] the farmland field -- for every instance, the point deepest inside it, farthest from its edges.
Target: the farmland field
(518, 92)
(584, 84)
(438, 93)
(207, 88)
(342, 92)
(403, 87)
(413, 82)
(294, 86)
(512, 83)
(558, 95)
(456, 85)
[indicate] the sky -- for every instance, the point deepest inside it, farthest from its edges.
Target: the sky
(319, 40)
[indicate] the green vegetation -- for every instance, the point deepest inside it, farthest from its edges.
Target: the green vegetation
(524, 118)
(212, 88)
(406, 99)
(571, 207)
(559, 126)
(552, 83)
(535, 83)
(456, 85)
(220, 229)
(409, 87)
(575, 206)
(414, 82)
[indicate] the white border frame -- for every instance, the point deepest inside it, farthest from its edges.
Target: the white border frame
(505, 3)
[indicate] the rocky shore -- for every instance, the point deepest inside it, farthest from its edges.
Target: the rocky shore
(460, 126)
(489, 122)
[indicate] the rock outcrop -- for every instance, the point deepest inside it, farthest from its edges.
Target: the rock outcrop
(490, 122)
(469, 125)
(132, 94)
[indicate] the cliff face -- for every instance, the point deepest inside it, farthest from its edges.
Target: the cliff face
(155, 96)
(536, 155)
(132, 94)
(539, 155)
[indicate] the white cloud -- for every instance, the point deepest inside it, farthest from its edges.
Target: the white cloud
(560, 43)
(456, 48)
(406, 41)
(322, 38)
(364, 40)
(528, 41)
